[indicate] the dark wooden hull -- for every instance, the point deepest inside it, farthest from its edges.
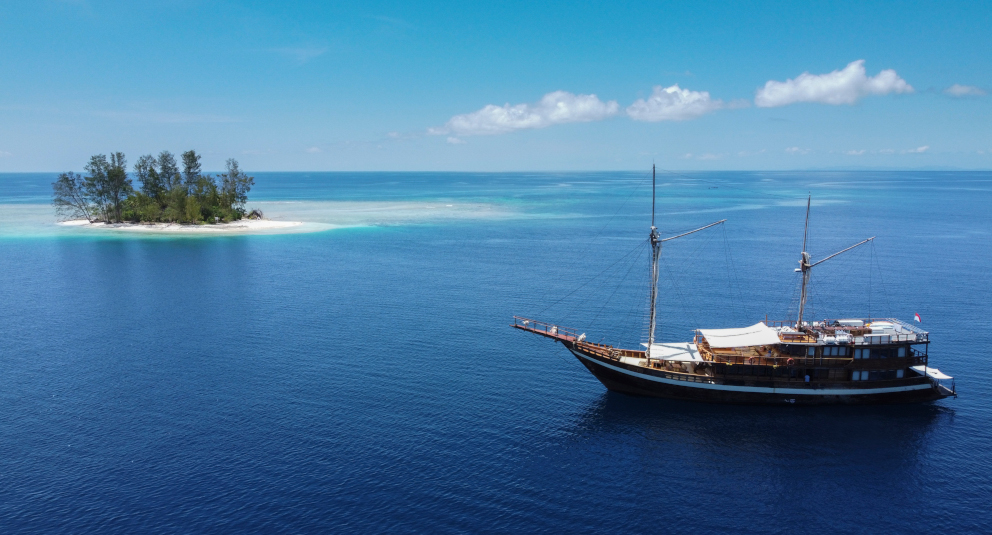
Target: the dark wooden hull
(639, 381)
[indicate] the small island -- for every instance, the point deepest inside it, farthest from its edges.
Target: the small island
(167, 197)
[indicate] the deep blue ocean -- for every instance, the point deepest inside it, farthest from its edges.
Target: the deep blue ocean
(365, 378)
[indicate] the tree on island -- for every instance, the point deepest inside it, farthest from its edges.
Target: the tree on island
(166, 194)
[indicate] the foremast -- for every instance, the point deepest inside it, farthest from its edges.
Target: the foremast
(656, 241)
(655, 255)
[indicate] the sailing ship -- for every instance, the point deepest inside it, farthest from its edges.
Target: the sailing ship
(831, 361)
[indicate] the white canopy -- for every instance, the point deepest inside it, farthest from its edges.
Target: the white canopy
(931, 372)
(679, 351)
(758, 334)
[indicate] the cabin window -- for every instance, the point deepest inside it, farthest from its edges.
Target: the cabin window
(811, 351)
(883, 353)
(855, 375)
(843, 351)
(902, 351)
(899, 374)
(862, 353)
(864, 375)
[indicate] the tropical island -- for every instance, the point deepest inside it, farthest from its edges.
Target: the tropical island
(166, 194)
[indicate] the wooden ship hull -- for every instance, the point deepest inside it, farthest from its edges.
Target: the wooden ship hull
(763, 380)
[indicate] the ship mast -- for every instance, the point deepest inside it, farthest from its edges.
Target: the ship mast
(655, 253)
(656, 241)
(805, 267)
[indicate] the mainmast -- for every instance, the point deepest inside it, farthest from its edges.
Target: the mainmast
(805, 267)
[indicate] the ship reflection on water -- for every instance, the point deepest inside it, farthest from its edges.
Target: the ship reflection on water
(699, 427)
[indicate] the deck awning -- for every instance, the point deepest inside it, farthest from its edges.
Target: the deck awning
(679, 352)
(932, 373)
(758, 334)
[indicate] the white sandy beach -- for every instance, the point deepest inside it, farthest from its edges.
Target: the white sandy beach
(285, 217)
(242, 226)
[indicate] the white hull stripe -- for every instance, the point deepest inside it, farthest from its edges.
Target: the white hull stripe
(759, 389)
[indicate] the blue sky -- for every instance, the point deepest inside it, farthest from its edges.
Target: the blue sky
(498, 86)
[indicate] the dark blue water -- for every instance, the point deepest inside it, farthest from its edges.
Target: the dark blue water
(365, 379)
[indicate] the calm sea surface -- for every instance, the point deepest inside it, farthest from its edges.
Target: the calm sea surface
(364, 378)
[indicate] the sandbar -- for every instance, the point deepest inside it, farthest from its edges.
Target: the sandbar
(241, 226)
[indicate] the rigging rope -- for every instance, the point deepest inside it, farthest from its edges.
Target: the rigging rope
(732, 268)
(635, 189)
(632, 264)
(678, 293)
(569, 294)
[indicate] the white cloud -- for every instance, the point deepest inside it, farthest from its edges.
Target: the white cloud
(673, 104)
(855, 152)
(554, 108)
(4, 154)
(455, 141)
(314, 150)
(710, 156)
(918, 150)
(796, 150)
(845, 86)
(959, 91)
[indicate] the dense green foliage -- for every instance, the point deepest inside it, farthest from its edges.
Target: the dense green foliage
(166, 193)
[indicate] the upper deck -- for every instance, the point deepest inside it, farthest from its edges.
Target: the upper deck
(851, 331)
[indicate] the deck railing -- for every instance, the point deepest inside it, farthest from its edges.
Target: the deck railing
(548, 329)
(573, 337)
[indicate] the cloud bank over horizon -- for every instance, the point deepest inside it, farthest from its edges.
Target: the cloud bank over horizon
(674, 103)
(845, 86)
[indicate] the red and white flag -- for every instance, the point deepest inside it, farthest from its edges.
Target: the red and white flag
(918, 320)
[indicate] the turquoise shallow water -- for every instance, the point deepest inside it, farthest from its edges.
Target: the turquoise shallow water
(364, 377)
